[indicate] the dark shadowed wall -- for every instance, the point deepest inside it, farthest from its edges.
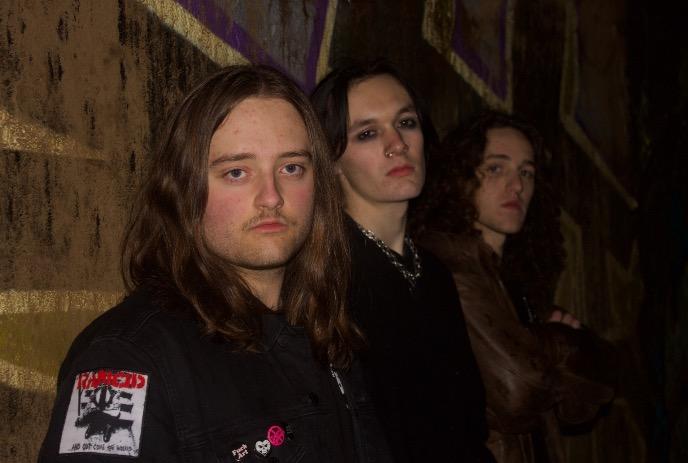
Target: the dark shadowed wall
(85, 85)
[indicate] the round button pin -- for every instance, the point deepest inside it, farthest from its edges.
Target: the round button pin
(276, 435)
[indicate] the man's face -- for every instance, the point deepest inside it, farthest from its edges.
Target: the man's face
(507, 180)
(383, 161)
(260, 185)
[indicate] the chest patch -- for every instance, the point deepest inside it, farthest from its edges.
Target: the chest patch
(105, 413)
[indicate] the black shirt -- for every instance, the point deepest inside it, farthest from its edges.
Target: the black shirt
(419, 367)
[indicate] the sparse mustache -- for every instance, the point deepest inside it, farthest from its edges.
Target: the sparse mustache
(275, 215)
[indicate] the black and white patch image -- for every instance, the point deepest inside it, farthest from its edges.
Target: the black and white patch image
(105, 413)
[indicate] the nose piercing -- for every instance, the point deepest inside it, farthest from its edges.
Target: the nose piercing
(398, 149)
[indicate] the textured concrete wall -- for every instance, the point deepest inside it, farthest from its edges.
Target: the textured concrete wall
(85, 84)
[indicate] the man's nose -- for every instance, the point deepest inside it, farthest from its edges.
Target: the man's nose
(394, 143)
(269, 195)
(516, 182)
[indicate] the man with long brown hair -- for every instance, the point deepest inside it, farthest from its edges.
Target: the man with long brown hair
(234, 343)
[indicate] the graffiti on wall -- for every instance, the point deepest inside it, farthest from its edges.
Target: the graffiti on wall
(476, 38)
(294, 40)
(594, 101)
(570, 292)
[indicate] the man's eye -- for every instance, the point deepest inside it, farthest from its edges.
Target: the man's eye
(529, 174)
(293, 169)
(365, 135)
(409, 123)
(235, 174)
(493, 168)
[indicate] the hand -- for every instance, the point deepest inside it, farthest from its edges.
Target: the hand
(562, 316)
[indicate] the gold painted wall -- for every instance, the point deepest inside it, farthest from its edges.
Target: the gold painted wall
(83, 85)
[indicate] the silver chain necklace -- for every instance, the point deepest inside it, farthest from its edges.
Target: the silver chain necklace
(411, 277)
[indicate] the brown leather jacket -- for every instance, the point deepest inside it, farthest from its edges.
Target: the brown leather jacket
(535, 375)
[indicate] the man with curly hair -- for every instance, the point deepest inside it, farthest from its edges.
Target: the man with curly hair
(498, 217)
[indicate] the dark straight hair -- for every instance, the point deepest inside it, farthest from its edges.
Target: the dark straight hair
(164, 246)
(331, 101)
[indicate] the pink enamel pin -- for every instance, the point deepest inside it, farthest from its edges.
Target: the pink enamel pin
(276, 435)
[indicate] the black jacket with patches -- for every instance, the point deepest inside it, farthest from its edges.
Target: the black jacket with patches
(204, 402)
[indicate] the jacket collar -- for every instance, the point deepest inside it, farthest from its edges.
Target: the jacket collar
(274, 323)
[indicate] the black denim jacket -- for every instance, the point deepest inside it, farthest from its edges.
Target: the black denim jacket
(144, 383)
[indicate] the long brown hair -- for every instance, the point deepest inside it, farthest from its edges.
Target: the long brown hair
(533, 258)
(164, 246)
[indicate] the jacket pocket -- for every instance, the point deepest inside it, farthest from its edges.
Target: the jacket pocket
(284, 436)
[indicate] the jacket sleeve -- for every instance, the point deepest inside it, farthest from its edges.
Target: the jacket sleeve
(110, 404)
(528, 370)
(517, 379)
(584, 370)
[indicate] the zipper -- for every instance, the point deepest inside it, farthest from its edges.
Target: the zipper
(336, 377)
(353, 414)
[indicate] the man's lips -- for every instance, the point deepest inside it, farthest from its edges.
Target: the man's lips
(513, 205)
(401, 171)
(269, 226)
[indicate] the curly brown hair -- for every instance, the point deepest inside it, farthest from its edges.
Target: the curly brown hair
(448, 205)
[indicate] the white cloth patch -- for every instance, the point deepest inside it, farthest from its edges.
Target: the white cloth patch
(105, 413)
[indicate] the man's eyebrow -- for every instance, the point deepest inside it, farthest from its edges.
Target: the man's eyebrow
(505, 157)
(243, 156)
(296, 154)
(498, 156)
(409, 108)
(231, 158)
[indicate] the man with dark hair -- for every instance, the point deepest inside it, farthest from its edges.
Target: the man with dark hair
(234, 343)
(418, 363)
(492, 216)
